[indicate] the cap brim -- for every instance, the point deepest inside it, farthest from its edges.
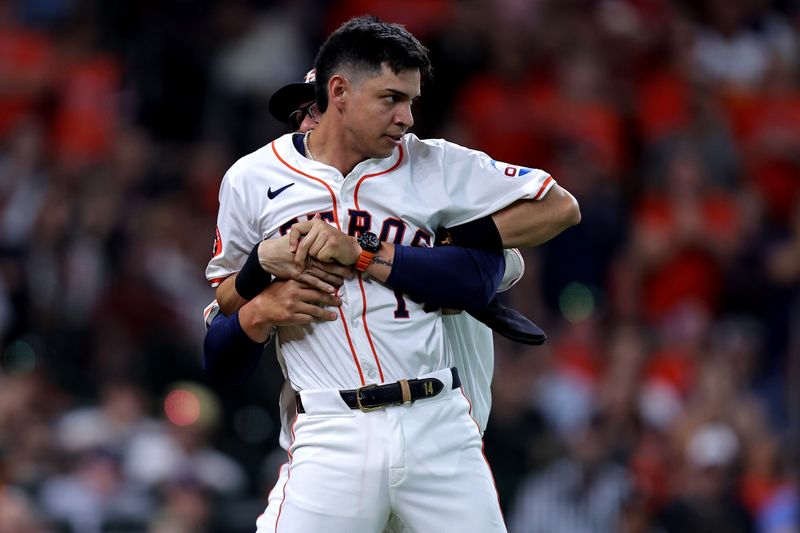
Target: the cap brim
(288, 98)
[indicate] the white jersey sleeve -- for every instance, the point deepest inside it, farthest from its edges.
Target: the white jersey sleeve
(515, 269)
(236, 226)
(477, 185)
(210, 313)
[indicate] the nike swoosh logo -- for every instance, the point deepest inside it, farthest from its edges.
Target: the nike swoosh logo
(272, 194)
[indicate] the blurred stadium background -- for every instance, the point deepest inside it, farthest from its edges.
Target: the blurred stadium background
(666, 399)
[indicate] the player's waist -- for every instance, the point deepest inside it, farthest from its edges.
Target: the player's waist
(373, 397)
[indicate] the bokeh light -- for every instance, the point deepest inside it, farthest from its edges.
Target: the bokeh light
(576, 302)
(182, 407)
(19, 358)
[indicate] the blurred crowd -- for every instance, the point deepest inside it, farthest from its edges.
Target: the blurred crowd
(666, 398)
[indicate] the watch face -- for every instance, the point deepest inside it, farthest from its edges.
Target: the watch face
(369, 242)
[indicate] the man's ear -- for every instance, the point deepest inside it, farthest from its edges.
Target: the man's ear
(338, 91)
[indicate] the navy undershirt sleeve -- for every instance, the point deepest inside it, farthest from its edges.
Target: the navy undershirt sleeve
(229, 355)
(447, 276)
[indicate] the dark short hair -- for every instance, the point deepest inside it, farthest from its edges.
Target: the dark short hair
(365, 44)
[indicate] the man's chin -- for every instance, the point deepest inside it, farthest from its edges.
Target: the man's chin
(382, 153)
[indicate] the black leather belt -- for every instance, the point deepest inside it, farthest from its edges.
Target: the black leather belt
(372, 397)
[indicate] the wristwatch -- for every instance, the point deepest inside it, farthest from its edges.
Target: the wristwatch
(369, 247)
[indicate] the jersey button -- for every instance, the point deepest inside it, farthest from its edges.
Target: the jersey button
(372, 373)
(356, 324)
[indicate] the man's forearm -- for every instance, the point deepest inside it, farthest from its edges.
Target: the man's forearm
(229, 355)
(271, 259)
(529, 223)
(446, 276)
(229, 300)
(383, 262)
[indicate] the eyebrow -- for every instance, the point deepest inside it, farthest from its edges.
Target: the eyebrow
(401, 93)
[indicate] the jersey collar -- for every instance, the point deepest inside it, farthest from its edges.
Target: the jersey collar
(286, 148)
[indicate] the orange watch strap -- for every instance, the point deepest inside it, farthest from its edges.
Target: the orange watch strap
(364, 260)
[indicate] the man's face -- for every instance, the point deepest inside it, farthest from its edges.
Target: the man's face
(377, 110)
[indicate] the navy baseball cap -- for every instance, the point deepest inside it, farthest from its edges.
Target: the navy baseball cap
(288, 98)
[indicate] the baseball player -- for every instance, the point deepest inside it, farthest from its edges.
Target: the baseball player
(382, 424)
(469, 339)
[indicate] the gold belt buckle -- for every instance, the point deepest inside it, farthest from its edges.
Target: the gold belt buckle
(358, 399)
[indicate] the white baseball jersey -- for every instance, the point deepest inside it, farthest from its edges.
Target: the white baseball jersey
(349, 470)
(426, 184)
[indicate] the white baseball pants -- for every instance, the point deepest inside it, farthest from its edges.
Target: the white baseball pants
(349, 470)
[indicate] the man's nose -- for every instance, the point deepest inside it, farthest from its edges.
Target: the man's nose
(405, 117)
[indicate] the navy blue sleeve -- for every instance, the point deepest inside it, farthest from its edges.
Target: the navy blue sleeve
(447, 276)
(229, 355)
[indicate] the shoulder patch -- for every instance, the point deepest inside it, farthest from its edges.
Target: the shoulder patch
(512, 171)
